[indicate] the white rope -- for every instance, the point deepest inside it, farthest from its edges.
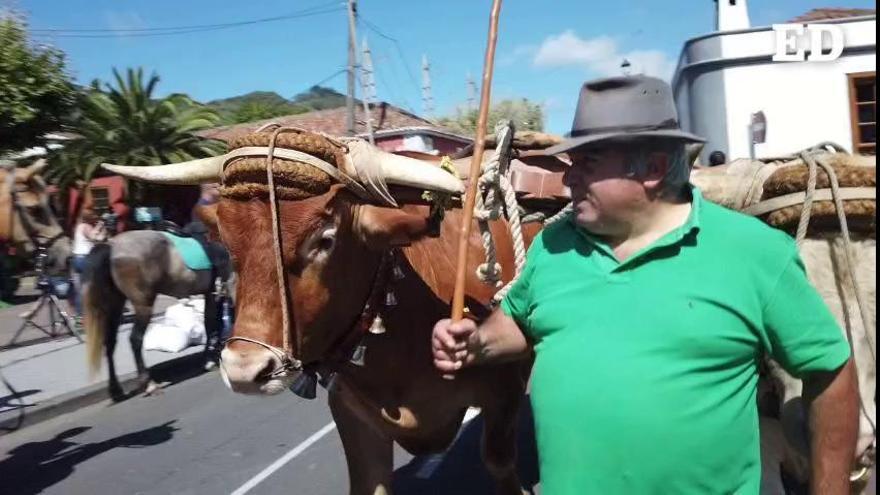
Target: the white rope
(488, 208)
(814, 158)
(496, 196)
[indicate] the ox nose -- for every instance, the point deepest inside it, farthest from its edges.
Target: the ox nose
(246, 368)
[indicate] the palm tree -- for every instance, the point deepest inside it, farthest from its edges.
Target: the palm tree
(127, 125)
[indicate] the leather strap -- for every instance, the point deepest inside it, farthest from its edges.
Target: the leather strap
(779, 202)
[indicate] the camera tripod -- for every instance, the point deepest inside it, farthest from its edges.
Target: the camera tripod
(58, 318)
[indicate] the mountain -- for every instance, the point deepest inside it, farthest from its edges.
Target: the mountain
(259, 105)
(320, 98)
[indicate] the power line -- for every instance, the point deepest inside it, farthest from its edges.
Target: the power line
(331, 76)
(195, 26)
(167, 31)
(394, 94)
(375, 29)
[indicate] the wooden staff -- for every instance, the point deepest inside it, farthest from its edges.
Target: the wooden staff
(476, 161)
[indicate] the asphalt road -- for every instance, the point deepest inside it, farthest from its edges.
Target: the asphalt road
(199, 438)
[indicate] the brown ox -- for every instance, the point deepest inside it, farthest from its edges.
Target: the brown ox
(26, 221)
(334, 244)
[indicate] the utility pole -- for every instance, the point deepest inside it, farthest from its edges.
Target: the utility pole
(427, 99)
(349, 99)
(352, 36)
(471, 92)
(368, 88)
(367, 68)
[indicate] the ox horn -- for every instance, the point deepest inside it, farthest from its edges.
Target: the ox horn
(400, 170)
(201, 171)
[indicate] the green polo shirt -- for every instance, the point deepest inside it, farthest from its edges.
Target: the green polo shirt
(645, 374)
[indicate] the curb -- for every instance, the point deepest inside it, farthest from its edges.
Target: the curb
(97, 392)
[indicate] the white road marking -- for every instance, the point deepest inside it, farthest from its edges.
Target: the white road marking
(471, 413)
(292, 454)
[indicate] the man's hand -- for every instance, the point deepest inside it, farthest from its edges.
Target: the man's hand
(460, 344)
(453, 344)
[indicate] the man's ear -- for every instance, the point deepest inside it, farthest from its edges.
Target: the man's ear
(382, 228)
(658, 164)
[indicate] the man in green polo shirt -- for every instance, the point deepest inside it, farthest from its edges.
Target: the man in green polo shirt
(648, 310)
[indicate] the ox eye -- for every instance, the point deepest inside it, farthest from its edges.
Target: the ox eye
(327, 240)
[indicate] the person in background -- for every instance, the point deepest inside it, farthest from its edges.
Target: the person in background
(206, 233)
(89, 231)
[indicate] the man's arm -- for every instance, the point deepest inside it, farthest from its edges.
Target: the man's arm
(834, 426)
(462, 343)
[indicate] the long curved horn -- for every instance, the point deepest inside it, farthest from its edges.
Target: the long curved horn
(400, 170)
(201, 171)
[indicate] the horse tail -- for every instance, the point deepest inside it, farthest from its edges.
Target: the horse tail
(103, 303)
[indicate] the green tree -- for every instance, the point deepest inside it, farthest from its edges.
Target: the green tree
(35, 90)
(526, 116)
(127, 125)
(257, 110)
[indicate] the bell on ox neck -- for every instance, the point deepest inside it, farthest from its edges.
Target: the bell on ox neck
(357, 356)
(305, 385)
(378, 326)
(390, 298)
(398, 272)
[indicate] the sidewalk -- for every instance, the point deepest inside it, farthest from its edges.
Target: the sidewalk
(51, 375)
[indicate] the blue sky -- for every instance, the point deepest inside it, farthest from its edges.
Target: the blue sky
(545, 51)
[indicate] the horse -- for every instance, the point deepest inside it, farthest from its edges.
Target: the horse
(137, 266)
(26, 221)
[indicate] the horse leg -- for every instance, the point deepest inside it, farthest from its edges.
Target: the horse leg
(213, 325)
(368, 453)
(143, 315)
(115, 389)
(499, 444)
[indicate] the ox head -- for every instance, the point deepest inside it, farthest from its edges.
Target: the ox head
(25, 217)
(332, 242)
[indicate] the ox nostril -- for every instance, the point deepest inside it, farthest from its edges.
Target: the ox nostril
(266, 371)
(244, 368)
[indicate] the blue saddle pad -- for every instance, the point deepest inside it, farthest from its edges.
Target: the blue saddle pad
(191, 251)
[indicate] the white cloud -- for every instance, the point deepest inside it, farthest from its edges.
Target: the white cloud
(518, 53)
(601, 55)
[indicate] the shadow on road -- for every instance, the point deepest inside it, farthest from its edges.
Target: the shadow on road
(15, 400)
(35, 466)
(460, 470)
(171, 373)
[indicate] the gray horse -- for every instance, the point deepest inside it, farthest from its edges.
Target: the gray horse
(138, 266)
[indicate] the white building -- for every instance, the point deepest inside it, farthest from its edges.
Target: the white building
(725, 77)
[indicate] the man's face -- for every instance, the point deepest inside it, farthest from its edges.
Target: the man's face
(604, 194)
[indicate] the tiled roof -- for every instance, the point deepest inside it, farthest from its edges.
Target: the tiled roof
(832, 13)
(333, 121)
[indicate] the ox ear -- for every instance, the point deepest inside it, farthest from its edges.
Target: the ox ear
(382, 228)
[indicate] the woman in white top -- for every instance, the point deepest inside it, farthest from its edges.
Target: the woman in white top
(89, 231)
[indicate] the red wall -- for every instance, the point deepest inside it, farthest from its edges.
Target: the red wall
(115, 186)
